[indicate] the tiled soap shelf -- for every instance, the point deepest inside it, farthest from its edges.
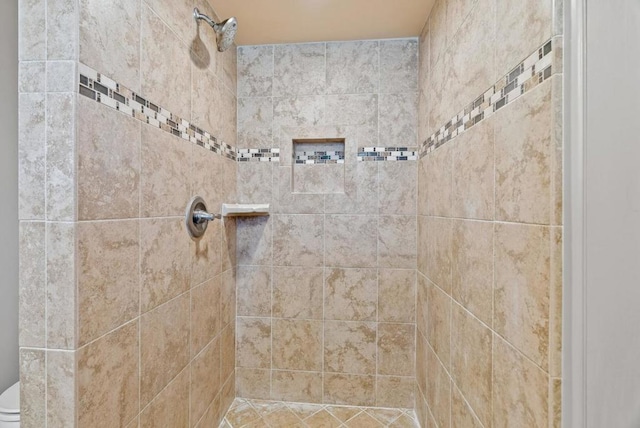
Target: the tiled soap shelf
(244, 210)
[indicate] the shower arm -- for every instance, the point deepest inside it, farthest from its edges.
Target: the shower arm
(197, 15)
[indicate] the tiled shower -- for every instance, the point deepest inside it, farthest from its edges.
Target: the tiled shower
(411, 258)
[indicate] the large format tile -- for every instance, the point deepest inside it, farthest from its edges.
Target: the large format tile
(253, 285)
(397, 242)
(352, 67)
(298, 240)
(255, 71)
(398, 66)
(350, 347)
(396, 349)
(253, 343)
(32, 284)
(205, 379)
(350, 294)
(170, 407)
(297, 386)
(299, 69)
(205, 315)
(297, 292)
(297, 345)
(350, 241)
(396, 295)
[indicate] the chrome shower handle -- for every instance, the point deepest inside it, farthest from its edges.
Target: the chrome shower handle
(197, 217)
(200, 217)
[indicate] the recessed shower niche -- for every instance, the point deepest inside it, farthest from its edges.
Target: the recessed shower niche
(318, 165)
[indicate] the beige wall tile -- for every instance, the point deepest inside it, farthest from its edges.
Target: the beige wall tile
(106, 365)
(31, 20)
(164, 346)
(298, 240)
(114, 53)
(397, 242)
(422, 412)
(253, 342)
(170, 407)
(255, 123)
(228, 358)
(472, 260)
(61, 391)
(396, 349)
(392, 391)
(350, 294)
(461, 414)
(165, 174)
(254, 291)
(255, 71)
(422, 244)
(299, 69)
(297, 345)
(361, 191)
(471, 361)
(204, 81)
(207, 177)
(398, 119)
(31, 155)
(439, 323)
(422, 285)
(397, 189)
(352, 67)
(437, 32)
(254, 241)
(178, 15)
(286, 201)
(33, 384)
(354, 390)
(555, 403)
(421, 363)
(438, 390)
(520, 389)
(439, 251)
(523, 159)
(352, 109)
(165, 262)
(303, 387)
(397, 295)
(108, 276)
(253, 383)
(228, 298)
(61, 43)
(32, 277)
(61, 76)
(297, 292)
(256, 182)
(439, 184)
(350, 241)
(555, 303)
(205, 379)
(108, 163)
(398, 66)
(300, 111)
(350, 347)
(205, 315)
(207, 252)
(522, 281)
(457, 13)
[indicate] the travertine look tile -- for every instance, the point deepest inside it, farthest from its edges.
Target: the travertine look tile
(439, 245)
(520, 40)
(227, 67)
(32, 283)
(471, 361)
(297, 386)
(520, 389)
(114, 53)
(255, 122)
(31, 156)
(397, 188)
(421, 363)
(165, 262)
(297, 292)
(355, 390)
(438, 390)
(165, 82)
(164, 346)
(32, 41)
(61, 76)
(473, 176)
(422, 285)
(353, 109)
(299, 69)
(253, 286)
(205, 315)
(297, 345)
(61, 286)
(555, 403)
(178, 15)
(350, 347)
(228, 358)
(363, 420)
(109, 364)
(282, 417)
(32, 387)
(108, 276)
(170, 407)
(323, 419)
(254, 241)
(361, 191)
(393, 391)
(208, 177)
(398, 66)
(299, 111)
(256, 182)
(206, 253)
(211, 119)
(253, 383)
(309, 179)
(444, 108)
(253, 343)
(397, 241)
(350, 294)
(457, 12)
(350, 241)
(522, 279)
(61, 391)
(523, 159)
(165, 173)
(472, 260)
(298, 240)
(397, 295)
(437, 32)
(440, 181)
(421, 409)
(423, 245)
(61, 157)
(108, 162)
(396, 349)
(555, 303)
(205, 379)
(398, 119)
(352, 67)
(461, 413)
(228, 298)
(61, 16)
(439, 323)
(255, 71)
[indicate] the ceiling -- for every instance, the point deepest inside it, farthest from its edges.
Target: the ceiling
(295, 21)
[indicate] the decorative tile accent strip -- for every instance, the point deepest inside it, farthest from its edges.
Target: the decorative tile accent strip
(373, 154)
(259, 155)
(523, 78)
(110, 93)
(310, 158)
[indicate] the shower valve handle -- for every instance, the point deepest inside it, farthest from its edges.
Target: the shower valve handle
(200, 217)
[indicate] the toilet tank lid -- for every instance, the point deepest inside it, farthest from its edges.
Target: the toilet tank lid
(10, 399)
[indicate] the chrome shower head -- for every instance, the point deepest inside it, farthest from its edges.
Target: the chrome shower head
(225, 30)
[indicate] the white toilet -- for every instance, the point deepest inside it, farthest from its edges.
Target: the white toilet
(10, 407)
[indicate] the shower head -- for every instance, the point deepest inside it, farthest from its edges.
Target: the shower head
(225, 30)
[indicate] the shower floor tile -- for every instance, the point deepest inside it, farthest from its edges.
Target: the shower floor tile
(278, 414)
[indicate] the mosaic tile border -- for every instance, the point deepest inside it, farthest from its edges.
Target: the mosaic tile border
(258, 155)
(524, 77)
(381, 154)
(319, 157)
(104, 90)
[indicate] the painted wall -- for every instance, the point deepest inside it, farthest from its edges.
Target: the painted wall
(9, 195)
(134, 319)
(326, 284)
(489, 290)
